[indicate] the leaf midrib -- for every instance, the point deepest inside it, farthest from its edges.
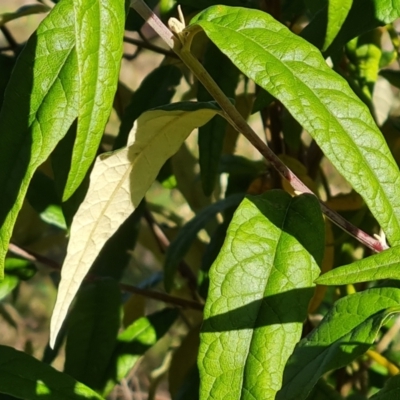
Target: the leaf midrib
(280, 231)
(336, 120)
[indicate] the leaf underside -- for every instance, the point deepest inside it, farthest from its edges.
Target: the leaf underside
(118, 183)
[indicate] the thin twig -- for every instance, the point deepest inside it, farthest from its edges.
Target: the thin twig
(9, 37)
(166, 298)
(163, 243)
(240, 124)
(149, 46)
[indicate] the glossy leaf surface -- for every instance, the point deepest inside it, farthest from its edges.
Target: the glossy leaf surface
(25, 377)
(346, 332)
(260, 286)
(118, 183)
(212, 135)
(31, 125)
(337, 13)
(99, 26)
(295, 73)
(384, 265)
(363, 16)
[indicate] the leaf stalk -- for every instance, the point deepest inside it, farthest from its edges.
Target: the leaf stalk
(180, 44)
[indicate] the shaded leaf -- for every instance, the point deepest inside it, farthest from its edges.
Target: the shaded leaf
(391, 390)
(118, 182)
(260, 286)
(211, 135)
(346, 332)
(156, 89)
(322, 391)
(392, 76)
(23, 11)
(6, 66)
(99, 26)
(22, 269)
(134, 341)
(374, 13)
(317, 97)
(31, 125)
(384, 265)
(181, 244)
(42, 196)
(92, 332)
(25, 377)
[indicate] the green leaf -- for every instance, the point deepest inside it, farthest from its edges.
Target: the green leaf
(99, 26)
(392, 76)
(6, 66)
(25, 377)
(390, 391)
(156, 89)
(118, 183)
(116, 253)
(134, 341)
(7, 285)
(21, 269)
(42, 196)
(260, 286)
(211, 135)
(384, 265)
(320, 100)
(200, 4)
(181, 244)
(374, 13)
(39, 107)
(24, 11)
(346, 332)
(92, 332)
(337, 13)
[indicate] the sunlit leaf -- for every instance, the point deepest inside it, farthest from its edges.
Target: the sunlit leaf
(260, 286)
(25, 377)
(346, 332)
(384, 265)
(298, 76)
(134, 341)
(374, 13)
(118, 182)
(337, 13)
(39, 107)
(99, 26)
(212, 134)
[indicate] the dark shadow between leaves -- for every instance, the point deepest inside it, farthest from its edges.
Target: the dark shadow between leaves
(281, 308)
(15, 134)
(361, 18)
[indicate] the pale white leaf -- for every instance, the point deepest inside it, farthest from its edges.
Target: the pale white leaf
(118, 183)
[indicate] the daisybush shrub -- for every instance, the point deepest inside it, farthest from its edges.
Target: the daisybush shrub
(275, 236)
